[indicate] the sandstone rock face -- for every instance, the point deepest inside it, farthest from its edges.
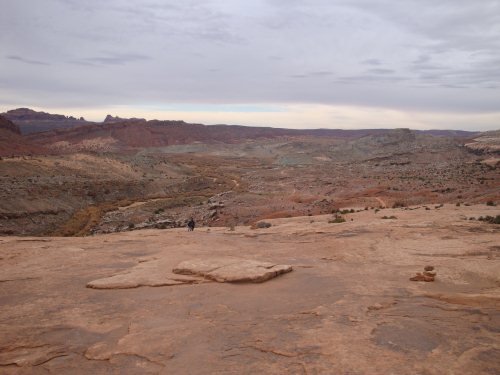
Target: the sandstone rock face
(231, 270)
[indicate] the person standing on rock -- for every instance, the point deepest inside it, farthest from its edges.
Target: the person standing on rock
(191, 225)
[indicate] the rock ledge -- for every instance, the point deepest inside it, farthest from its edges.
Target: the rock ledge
(232, 269)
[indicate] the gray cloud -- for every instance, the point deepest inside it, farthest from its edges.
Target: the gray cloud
(409, 55)
(111, 59)
(374, 62)
(26, 61)
(318, 74)
(381, 71)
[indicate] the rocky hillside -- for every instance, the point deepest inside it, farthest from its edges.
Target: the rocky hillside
(487, 143)
(394, 142)
(138, 133)
(12, 143)
(8, 125)
(30, 121)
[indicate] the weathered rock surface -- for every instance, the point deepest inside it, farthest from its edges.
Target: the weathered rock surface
(348, 306)
(232, 270)
(152, 273)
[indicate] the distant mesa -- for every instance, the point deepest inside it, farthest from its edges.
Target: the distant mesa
(114, 119)
(30, 121)
(26, 114)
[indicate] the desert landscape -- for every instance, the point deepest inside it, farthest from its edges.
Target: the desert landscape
(117, 176)
(232, 187)
(308, 254)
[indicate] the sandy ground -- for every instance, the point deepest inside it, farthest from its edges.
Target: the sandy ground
(348, 306)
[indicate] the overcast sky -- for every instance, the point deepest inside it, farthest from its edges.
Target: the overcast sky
(287, 63)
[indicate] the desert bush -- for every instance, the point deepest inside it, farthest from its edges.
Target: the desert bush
(389, 217)
(490, 203)
(457, 204)
(263, 224)
(336, 219)
(490, 219)
(277, 215)
(398, 204)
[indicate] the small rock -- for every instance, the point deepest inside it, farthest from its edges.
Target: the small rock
(376, 306)
(428, 268)
(421, 277)
(430, 273)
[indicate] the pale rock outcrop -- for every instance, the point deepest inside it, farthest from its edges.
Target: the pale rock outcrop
(231, 269)
(151, 273)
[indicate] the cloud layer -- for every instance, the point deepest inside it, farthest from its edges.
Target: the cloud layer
(413, 56)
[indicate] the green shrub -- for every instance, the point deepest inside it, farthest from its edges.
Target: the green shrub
(337, 219)
(490, 219)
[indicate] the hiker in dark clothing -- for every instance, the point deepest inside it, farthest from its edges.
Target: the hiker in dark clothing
(191, 225)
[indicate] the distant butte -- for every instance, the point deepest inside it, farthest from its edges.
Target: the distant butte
(110, 119)
(30, 121)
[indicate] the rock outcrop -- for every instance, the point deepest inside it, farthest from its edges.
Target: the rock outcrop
(428, 275)
(149, 273)
(231, 270)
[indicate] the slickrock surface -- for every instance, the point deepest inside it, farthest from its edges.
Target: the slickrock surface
(232, 270)
(347, 307)
(146, 273)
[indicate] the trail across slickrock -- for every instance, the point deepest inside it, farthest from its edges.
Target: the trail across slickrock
(164, 301)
